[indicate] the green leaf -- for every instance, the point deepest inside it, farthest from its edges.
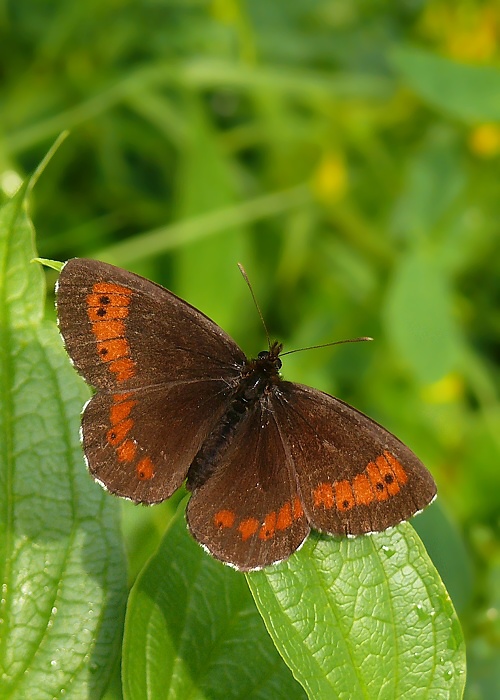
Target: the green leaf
(199, 263)
(62, 566)
(192, 631)
(445, 546)
(470, 93)
(418, 213)
(418, 316)
(53, 264)
(364, 618)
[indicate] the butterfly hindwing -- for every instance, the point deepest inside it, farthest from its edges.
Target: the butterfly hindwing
(139, 444)
(249, 512)
(354, 476)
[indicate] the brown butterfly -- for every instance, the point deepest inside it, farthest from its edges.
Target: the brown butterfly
(266, 460)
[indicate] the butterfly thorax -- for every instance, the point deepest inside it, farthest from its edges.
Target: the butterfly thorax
(258, 378)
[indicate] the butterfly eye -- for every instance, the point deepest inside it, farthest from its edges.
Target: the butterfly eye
(278, 363)
(263, 355)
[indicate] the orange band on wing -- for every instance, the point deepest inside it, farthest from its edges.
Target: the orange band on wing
(268, 529)
(273, 523)
(117, 433)
(224, 518)
(108, 310)
(381, 480)
(399, 472)
(120, 411)
(145, 469)
(387, 475)
(124, 368)
(298, 511)
(127, 451)
(362, 489)
(108, 301)
(248, 527)
(118, 436)
(110, 313)
(284, 518)
(377, 482)
(344, 495)
(109, 330)
(111, 288)
(323, 496)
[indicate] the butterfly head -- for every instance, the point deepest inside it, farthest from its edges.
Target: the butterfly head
(264, 370)
(270, 358)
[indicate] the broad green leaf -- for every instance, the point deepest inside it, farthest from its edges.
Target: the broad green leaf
(364, 618)
(467, 92)
(192, 631)
(62, 566)
(419, 319)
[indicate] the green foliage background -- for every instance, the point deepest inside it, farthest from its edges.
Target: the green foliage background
(348, 154)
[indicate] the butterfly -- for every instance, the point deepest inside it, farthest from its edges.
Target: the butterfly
(266, 460)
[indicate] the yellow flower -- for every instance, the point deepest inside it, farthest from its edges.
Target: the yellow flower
(484, 140)
(466, 32)
(330, 179)
(445, 390)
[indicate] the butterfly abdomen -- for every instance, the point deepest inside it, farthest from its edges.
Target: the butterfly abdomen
(258, 378)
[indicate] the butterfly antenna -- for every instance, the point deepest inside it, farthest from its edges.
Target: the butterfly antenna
(245, 277)
(327, 345)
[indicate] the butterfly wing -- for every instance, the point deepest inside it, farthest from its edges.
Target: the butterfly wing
(249, 513)
(164, 373)
(140, 444)
(354, 476)
(124, 331)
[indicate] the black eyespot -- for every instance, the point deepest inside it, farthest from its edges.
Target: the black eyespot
(388, 478)
(104, 300)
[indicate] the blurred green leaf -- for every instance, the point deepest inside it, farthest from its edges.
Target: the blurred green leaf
(419, 318)
(467, 92)
(446, 548)
(197, 228)
(199, 262)
(419, 211)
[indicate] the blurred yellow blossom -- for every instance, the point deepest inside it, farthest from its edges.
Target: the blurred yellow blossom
(330, 179)
(484, 140)
(445, 390)
(466, 31)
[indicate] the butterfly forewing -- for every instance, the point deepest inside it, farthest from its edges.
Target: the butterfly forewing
(354, 476)
(249, 512)
(122, 330)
